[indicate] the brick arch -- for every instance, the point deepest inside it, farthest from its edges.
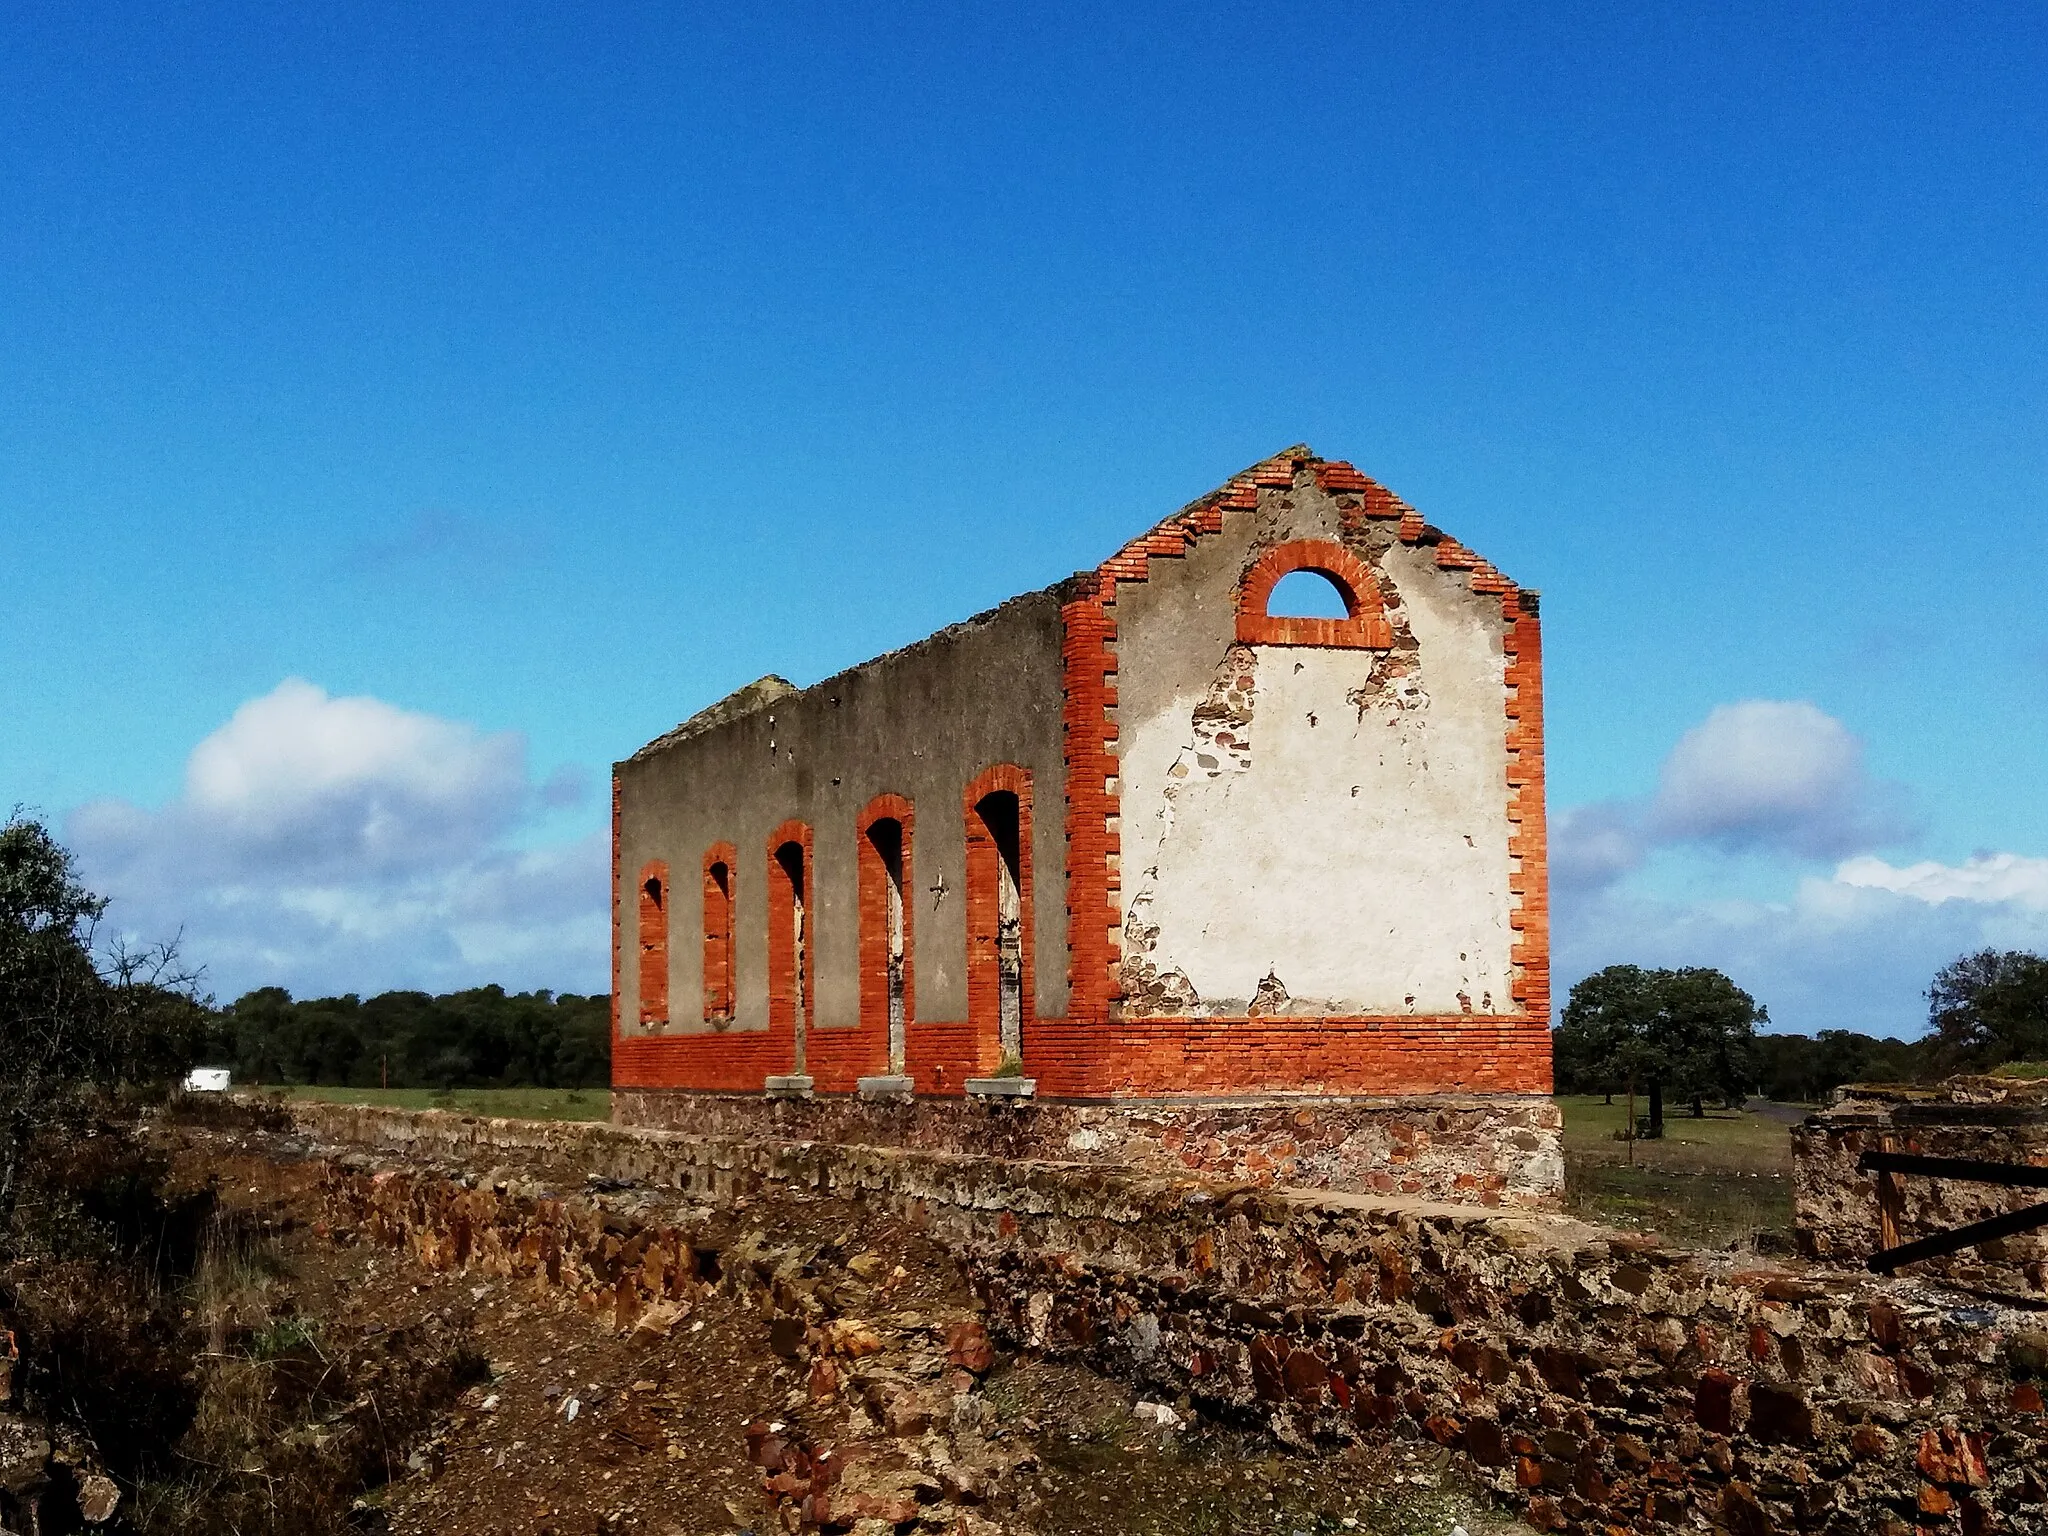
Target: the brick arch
(873, 938)
(721, 904)
(984, 985)
(1365, 625)
(655, 896)
(784, 1026)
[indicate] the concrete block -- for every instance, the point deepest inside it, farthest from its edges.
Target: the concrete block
(1002, 1087)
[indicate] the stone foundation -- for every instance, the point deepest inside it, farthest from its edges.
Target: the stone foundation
(1484, 1150)
(1598, 1383)
(1836, 1210)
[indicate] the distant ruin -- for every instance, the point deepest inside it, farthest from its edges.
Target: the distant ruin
(1133, 837)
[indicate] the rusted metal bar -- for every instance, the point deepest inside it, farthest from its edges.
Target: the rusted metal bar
(2012, 1222)
(1891, 1196)
(2018, 1175)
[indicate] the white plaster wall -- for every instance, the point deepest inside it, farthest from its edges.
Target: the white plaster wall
(1351, 839)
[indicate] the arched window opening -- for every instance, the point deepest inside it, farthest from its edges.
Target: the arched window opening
(789, 969)
(885, 948)
(1002, 820)
(1286, 598)
(654, 944)
(718, 925)
(1308, 594)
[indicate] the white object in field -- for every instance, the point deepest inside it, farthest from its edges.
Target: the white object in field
(207, 1080)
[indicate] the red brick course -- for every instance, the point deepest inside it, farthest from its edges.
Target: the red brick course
(1408, 1053)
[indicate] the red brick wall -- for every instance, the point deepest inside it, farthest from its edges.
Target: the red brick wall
(984, 993)
(873, 897)
(721, 900)
(782, 956)
(1096, 1050)
(654, 903)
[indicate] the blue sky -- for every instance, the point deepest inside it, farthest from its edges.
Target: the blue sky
(478, 392)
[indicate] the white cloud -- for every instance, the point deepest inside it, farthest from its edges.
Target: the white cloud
(1852, 948)
(1766, 776)
(1836, 954)
(1771, 774)
(347, 844)
(1592, 846)
(1984, 877)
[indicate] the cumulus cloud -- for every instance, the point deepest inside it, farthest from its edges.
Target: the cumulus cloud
(1772, 774)
(1984, 877)
(1840, 952)
(1854, 943)
(1592, 846)
(1759, 776)
(347, 844)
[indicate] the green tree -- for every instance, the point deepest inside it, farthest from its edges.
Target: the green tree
(481, 1038)
(1991, 1007)
(1689, 1033)
(78, 1019)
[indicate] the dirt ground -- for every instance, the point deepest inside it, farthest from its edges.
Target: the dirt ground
(706, 1430)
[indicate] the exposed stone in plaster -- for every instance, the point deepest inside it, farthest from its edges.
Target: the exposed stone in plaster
(1359, 793)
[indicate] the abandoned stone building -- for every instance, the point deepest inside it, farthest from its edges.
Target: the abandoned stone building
(1134, 835)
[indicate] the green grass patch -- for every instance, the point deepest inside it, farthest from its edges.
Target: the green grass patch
(1725, 1140)
(1724, 1178)
(508, 1103)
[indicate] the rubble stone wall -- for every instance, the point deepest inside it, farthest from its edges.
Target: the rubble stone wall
(1598, 1382)
(1836, 1209)
(1491, 1150)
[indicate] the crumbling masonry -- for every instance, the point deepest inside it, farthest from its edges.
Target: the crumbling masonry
(1133, 838)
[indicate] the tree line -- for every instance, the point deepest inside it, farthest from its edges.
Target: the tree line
(80, 1016)
(482, 1038)
(1690, 1035)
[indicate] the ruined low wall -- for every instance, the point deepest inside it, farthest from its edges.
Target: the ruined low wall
(1599, 1383)
(1489, 1150)
(1836, 1209)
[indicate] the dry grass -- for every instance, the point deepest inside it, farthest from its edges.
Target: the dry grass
(510, 1103)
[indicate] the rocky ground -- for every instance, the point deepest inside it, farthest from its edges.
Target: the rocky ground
(853, 1390)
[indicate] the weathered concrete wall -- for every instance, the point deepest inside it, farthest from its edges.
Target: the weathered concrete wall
(1332, 819)
(1492, 1151)
(1836, 1208)
(1599, 1383)
(921, 722)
